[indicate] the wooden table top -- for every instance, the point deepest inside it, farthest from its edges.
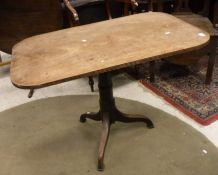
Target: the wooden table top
(199, 21)
(64, 55)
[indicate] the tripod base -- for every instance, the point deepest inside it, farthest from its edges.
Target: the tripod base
(106, 122)
(109, 114)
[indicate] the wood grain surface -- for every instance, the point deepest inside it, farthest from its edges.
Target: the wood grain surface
(64, 55)
(197, 20)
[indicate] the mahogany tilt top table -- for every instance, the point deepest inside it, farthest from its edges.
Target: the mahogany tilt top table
(98, 49)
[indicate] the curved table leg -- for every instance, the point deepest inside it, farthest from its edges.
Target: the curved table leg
(91, 115)
(130, 118)
(109, 114)
(91, 83)
(103, 141)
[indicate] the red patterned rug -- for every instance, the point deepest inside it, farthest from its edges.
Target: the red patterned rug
(188, 93)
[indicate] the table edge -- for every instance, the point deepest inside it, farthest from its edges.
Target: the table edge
(94, 73)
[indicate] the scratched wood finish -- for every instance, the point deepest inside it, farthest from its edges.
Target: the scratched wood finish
(64, 55)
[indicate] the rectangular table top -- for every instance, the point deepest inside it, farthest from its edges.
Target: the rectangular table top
(68, 54)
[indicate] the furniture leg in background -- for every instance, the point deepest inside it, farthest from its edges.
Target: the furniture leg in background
(215, 18)
(211, 59)
(215, 14)
(152, 71)
(184, 13)
(91, 83)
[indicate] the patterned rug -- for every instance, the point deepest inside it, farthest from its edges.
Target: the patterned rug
(188, 93)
